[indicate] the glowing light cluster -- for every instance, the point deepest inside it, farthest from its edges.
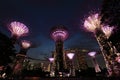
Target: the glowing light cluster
(107, 30)
(92, 54)
(26, 44)
(70, 55)
(92, 22)
(59, 34)
(18, 29)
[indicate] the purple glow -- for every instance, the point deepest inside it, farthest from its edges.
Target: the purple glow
(92, 22)
(92, 54)
(18, 29)
(118, 58)
(59, 34)
(51, 59)
(70, 55)
(26, 44)
(107, 30)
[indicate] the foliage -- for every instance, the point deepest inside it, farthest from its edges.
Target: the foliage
(6, 50)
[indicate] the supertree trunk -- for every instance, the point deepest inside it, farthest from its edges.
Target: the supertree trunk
(108, 53)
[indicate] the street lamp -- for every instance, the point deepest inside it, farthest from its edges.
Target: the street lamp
(70, 56)
(92, 55)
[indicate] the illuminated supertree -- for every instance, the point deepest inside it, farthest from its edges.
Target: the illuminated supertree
(107, 30)
(102, 34)
(70, 56)
(92, 55)
(25, 45)
(21, 57)
(59, 33)
(17, 29)
(51, 66)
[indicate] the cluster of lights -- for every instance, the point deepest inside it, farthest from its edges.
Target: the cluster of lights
(92, 22)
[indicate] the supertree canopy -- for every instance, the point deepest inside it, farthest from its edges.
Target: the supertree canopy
(92, 22)
(18, 29)
(59, 33)
(107, 30)
(26, 44)
(92, 54)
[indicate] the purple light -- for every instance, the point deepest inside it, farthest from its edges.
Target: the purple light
(107, 30)
(51, 59)
(92, 22)
(59, 32)
(70, 55)
(26, 44)
(18, 29)
(92, 54)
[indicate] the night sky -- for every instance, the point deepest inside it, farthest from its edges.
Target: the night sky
(41, 15)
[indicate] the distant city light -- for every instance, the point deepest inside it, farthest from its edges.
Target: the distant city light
(26, 44)
(18, 29)
(92, 22)
(70, 55)
(107, 30)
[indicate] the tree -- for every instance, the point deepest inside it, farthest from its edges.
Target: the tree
(7, 50)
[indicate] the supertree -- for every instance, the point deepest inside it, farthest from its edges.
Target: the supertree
(59, 33)
(92, 55)
(51, 67)
(25, 45)
(17, 29)
(102, 34)
(21, 58)
(110, 13)
(70, 56)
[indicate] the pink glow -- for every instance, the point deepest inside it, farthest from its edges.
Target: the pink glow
(59, 34)
(107, 30)
(92, 22)
(92, 54)
(26, 44)
(70, 55)
(51, 59)
(18, 29)
(118, 58)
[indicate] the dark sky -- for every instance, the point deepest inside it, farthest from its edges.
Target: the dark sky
(41, 15)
